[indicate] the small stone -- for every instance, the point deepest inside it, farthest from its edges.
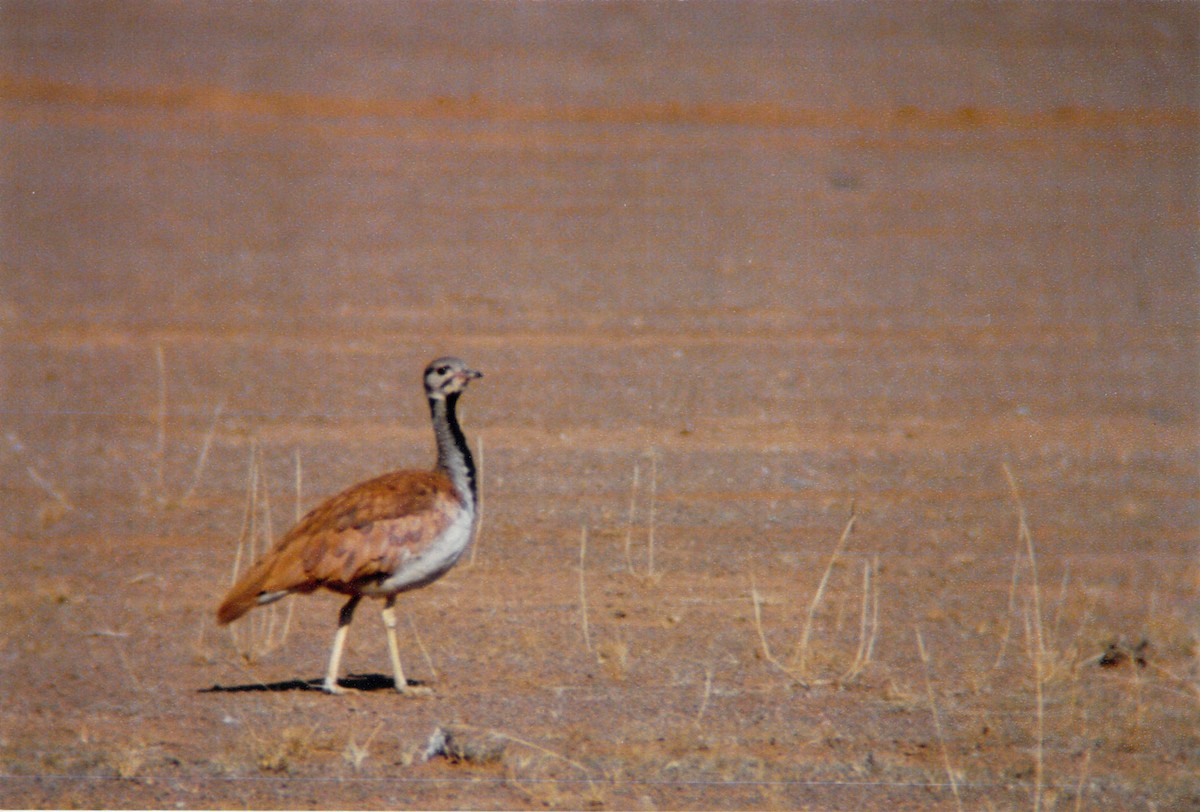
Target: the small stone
(457, 744)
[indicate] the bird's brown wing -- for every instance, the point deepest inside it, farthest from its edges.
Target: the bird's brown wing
(391, 496)
(361, 534)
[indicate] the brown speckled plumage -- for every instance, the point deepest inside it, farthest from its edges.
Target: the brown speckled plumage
(352, 540)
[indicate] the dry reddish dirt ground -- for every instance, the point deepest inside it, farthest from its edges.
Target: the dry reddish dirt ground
(733, 272)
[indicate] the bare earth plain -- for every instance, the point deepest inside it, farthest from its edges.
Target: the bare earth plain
(734, 274)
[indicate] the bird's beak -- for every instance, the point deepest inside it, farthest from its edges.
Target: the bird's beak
(469, 374)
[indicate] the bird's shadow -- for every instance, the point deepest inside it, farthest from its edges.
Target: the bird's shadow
(353, 682)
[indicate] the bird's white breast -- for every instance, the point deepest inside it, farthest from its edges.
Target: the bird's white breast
(423, 567)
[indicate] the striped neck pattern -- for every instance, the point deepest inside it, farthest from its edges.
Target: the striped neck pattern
(453, 455)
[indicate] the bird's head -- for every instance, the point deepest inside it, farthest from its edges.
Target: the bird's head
(447, 376)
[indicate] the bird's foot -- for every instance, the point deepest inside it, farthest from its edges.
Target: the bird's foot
(411, 689)
(336, 690)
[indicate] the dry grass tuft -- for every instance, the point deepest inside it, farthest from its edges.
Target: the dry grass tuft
(530, 768)
(800, 666)
(128, 760)
(800, 659)
(264, 630)
(281, 755)
(355, 754)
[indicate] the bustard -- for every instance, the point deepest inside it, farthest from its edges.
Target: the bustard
(390, 534)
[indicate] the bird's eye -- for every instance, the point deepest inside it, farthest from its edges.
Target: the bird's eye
(442, 370)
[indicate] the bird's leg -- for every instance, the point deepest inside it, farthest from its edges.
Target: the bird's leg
(389, 620)
(330, 685)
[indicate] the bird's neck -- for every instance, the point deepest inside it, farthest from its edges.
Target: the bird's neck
(453, 455)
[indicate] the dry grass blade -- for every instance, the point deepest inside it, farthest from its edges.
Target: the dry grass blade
(583, 606)
(42, 482)
(937, 722)
(756, 600)
(161, 498)
(160, 446)
(1038, 654)
(247, 515)
(868, 622)
(1056, 625)
(874, 611)
(421, 646)
(266, 630)
(134, 680)
(650, 575)
(1012, 603)
(202, 458)
(708, 680)
(633, 492)
(801, 657)
(526, 743)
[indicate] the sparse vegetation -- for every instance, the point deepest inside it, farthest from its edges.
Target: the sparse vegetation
(649, 574)
(1035, 640)
(266, 629)
(991, 716)
(159, 493)
(355, 753)
(937, 721)
(280, 752)
(583, 606)
(799, 666)
(51, 512)
(128, 760)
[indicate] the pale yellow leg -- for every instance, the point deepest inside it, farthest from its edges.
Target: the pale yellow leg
(389, 620)
(330, 686)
